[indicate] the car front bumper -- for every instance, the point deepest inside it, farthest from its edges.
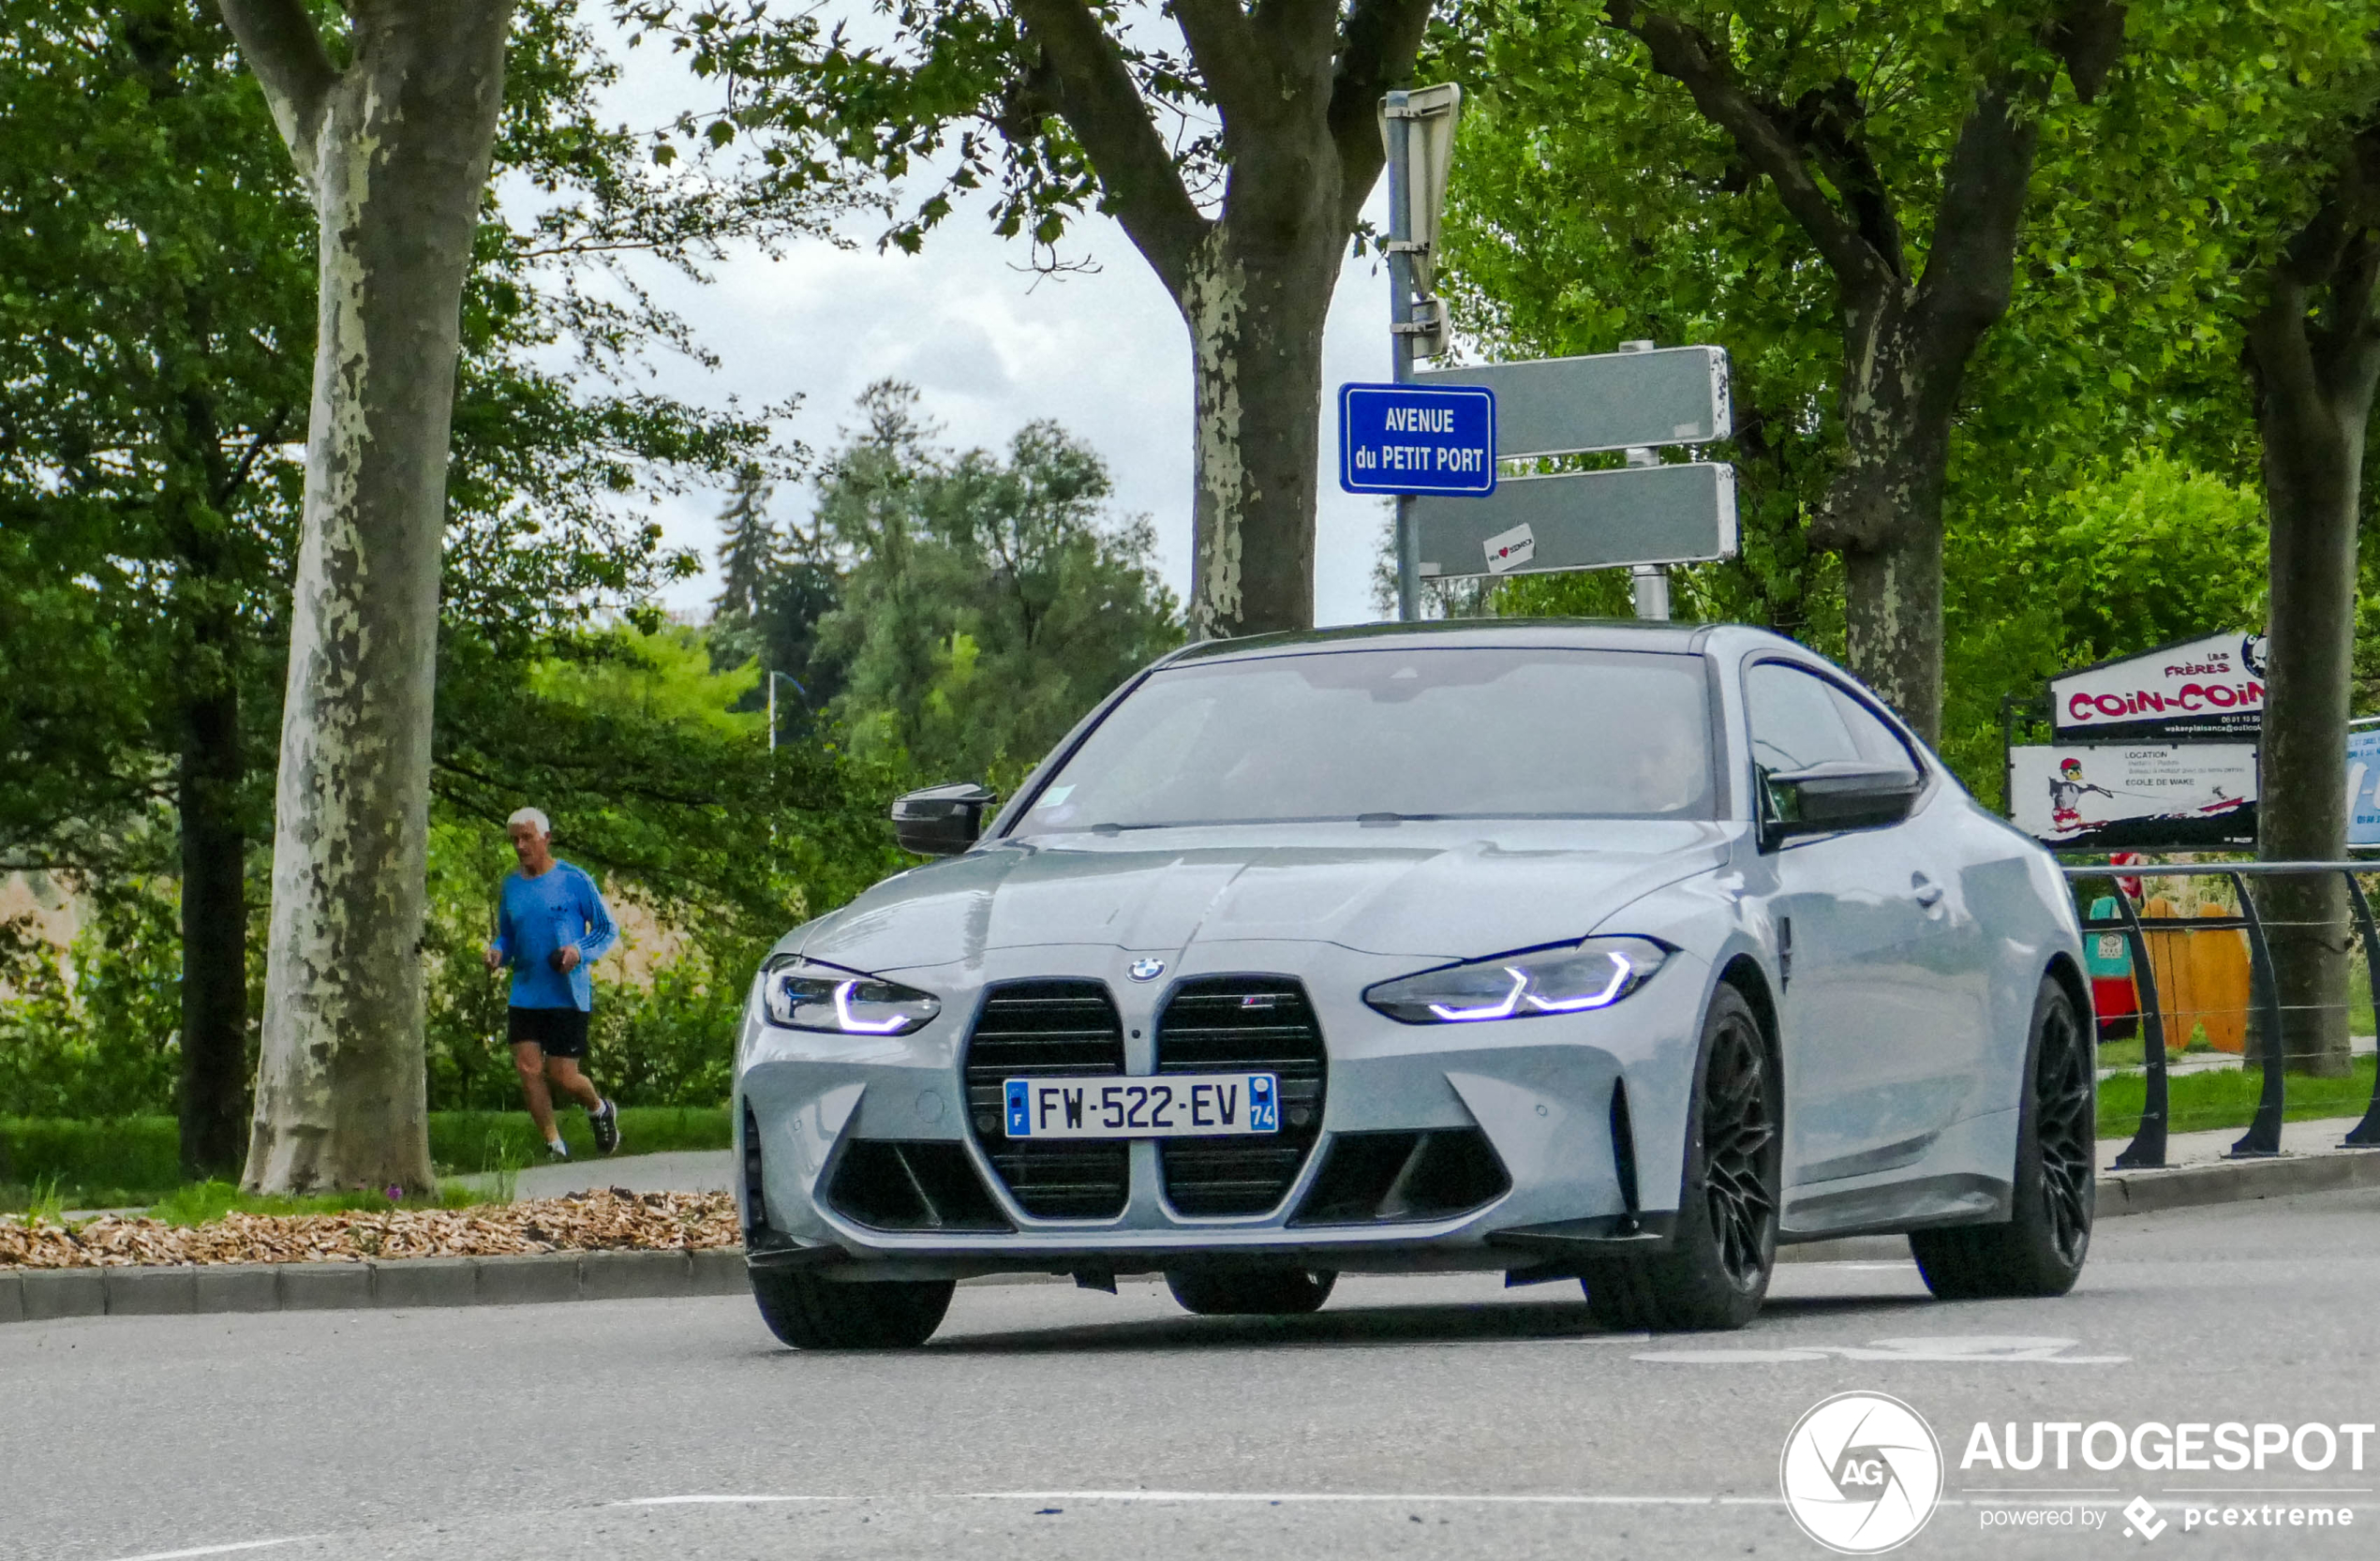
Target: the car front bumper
(1539, 1091)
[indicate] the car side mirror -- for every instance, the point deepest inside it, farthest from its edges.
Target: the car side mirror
(1836, 796)
(942, 821)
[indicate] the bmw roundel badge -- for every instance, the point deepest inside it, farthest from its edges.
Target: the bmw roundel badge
(1147, 970)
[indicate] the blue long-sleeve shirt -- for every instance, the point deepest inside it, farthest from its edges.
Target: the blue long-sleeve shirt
(537, 917)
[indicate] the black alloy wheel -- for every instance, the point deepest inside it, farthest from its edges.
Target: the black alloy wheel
(2039, 1250)
(1715, 1271)
(2067, 1107)
(1738, 1135)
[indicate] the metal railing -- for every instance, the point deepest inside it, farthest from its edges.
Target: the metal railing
(2262, 1140)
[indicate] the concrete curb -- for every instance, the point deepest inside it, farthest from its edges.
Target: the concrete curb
(2150, 1192)
(44, 1295)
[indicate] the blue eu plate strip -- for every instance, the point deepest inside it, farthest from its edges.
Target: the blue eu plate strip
(1264, 1105)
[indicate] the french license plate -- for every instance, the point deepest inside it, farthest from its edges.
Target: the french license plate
(1175, 1106)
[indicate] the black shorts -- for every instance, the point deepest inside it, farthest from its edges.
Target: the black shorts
(562, 1031)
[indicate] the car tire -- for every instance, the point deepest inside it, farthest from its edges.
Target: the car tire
(1250, 1292)
(1714, 1273)
(811, 1313)
(2039, 1250)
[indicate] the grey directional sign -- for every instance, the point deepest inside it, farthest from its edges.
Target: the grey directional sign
(1654, 515)
(1605, 401)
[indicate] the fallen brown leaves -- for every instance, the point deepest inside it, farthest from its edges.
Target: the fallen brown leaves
(583, 1222)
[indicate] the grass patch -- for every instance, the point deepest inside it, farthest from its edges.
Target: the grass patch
(204, 1202)
(138, 1160)
(2133, 1053)
(2227, 1098)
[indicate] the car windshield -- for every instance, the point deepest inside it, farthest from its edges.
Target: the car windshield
(1413, 732)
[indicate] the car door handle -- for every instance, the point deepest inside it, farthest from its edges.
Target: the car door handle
(1929, 893)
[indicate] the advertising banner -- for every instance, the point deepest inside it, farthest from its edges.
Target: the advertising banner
(2210, 687)
(2153, 796)
(2363, 786)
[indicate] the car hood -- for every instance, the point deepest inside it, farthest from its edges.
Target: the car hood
(1443, 890)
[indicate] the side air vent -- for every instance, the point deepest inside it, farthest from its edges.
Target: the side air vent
(899, 1184)
(1377, 1178)
(755, 1197)
(1040, 1030)
(1624, 1149)
(1224, 1024)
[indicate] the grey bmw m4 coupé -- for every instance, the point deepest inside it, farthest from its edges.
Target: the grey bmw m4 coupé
(1612, 953)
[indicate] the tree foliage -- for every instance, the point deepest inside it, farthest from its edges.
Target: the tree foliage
(156, 322)
(959, 610)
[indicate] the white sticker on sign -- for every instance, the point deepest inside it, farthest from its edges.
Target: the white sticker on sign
(1508, 550)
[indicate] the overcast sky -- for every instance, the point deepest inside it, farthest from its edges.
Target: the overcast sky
(991, 348)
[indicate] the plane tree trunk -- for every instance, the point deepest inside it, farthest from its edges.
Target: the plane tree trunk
(2314, 358)
(1296, 89)
(394, 149)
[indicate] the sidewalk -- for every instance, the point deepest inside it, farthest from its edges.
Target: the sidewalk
(2197, 1173)
(708, 1170)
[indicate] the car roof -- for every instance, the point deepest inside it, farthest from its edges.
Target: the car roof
(1577, 633)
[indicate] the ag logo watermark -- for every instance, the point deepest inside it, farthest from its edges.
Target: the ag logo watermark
(1861, 1473)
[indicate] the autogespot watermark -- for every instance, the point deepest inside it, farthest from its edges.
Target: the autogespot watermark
(1862, 1472)
(2179, 1447)
(2228, 1447)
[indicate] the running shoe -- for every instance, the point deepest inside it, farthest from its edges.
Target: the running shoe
(605, 1122)
(558, 1150)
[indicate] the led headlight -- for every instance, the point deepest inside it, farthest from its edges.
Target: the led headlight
(1564, 980)
(803, 996)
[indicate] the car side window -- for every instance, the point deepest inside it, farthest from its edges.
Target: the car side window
(1795, 720)
(1877, 743)
(1799, 719)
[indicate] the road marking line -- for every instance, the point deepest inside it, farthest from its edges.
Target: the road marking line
(715, 1500)
(221, 1550)
(1386, 1497)
(1994, 1350)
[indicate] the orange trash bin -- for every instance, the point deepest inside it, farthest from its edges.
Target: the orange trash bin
(2202, 977)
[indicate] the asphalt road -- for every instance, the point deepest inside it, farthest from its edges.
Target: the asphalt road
(1427, 1418)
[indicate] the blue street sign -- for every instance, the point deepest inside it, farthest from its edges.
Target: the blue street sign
(1403, 439)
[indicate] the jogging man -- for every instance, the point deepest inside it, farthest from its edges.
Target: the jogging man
(550, 927)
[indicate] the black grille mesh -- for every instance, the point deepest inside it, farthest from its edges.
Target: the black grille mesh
(1224, 1024)
(1041, 1029)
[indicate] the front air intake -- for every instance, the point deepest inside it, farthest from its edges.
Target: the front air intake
(1229, 1024)
(1044, 1029)
(906, 1184)
(1382, 1178)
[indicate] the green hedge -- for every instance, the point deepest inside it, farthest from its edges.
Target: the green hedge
(105, 1165)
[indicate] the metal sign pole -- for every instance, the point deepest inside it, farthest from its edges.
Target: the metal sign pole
(1400, 127)
(1652, 581)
